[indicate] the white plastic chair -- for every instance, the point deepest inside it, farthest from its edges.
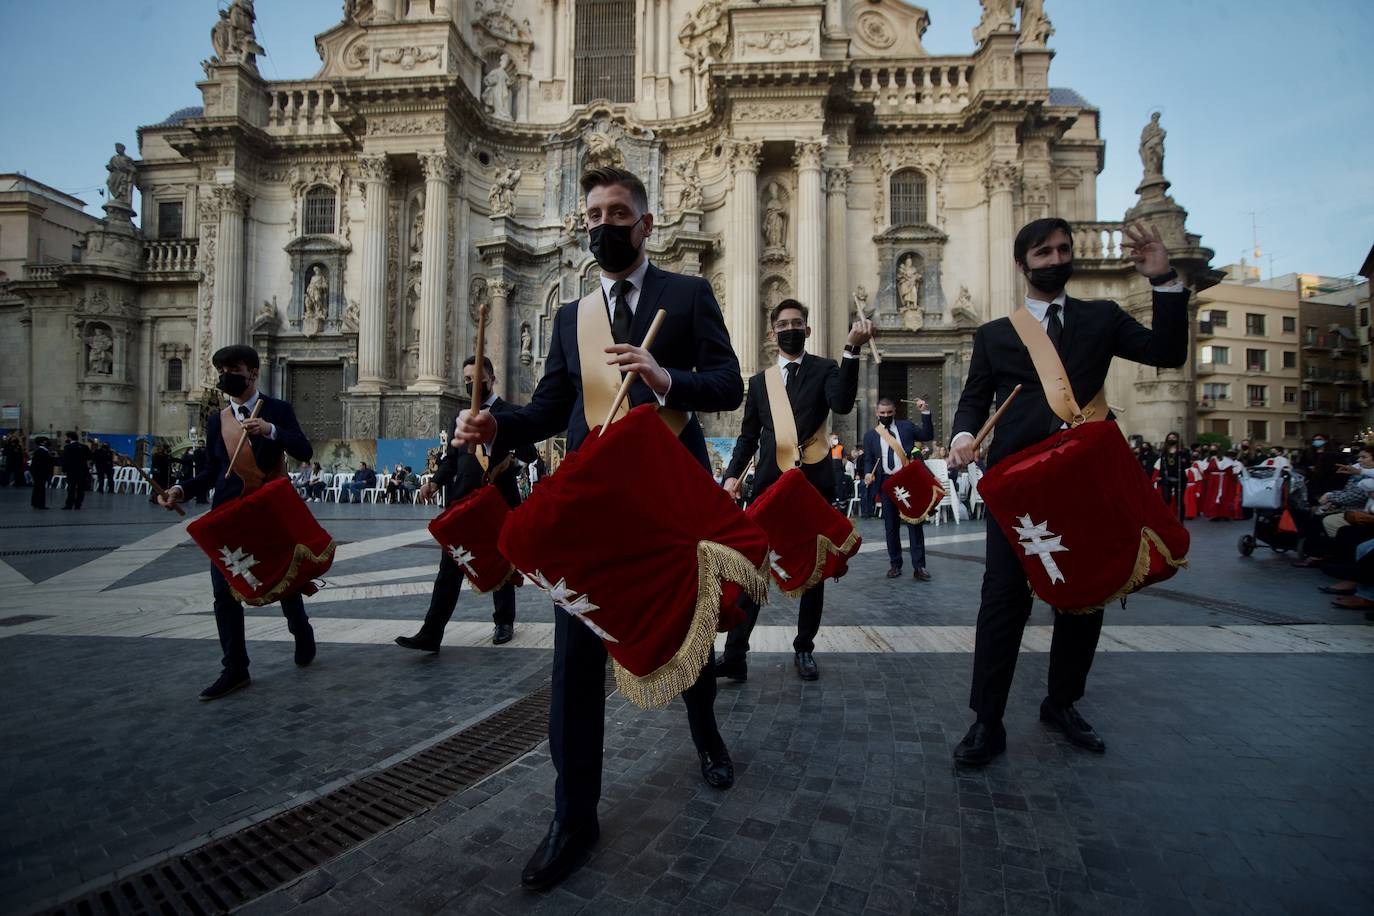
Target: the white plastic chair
(940, 468)
(139, 482)
(855, 504)
(975, 502)
(377, 491)
(334, 487)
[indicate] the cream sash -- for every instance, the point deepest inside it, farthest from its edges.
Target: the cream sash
(788, 455)
(892, 443)
(600, 381)
(1053, 378)
(230, 431)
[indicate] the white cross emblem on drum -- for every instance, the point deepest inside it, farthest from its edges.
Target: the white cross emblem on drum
(776, 566)
(240, 564)
(903, 496)
(570, 601)
(1039, 541)
(463, 558)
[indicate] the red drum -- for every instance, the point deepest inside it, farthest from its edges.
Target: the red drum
(633, 537)
(808, 539)
(1084, 519)
(266, 544)
(467, 531)
(914, 491)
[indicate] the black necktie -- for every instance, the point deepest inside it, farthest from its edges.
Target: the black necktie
(620, 322)
(242, 411)
(789, 374)
(1056, 328)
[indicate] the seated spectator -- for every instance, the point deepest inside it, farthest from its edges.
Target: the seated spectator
(363, 479)
(409, 485)
(393, 484)
(314, 485)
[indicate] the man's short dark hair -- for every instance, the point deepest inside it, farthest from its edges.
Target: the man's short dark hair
(887, 402)
(486, 364)
(788, 304)
(1035, 232)
(234, 354)
(609, 175)
(71, 434)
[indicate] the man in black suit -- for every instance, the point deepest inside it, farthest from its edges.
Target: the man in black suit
(272, 434)
(880, 460)
(103, 458)
(815, 386)
(459, 473)
(76, 460)
(1086, 334)
(691, 367)
(40, 469)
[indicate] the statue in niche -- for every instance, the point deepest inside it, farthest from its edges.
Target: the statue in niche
(909, 283)
(502, 196)
(526, 345)
(1035, 25)
(690, 198)
(316, 307)
(496, 89)
(120, 182)
(100, 356)
(775, 219)
(1152, 147)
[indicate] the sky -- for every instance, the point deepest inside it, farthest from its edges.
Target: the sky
(1268, 104)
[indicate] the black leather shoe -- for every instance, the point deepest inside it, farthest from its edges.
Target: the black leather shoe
(717, 768)
(736, 669)
(983, 742)
(1068, 721)
(920, 573)
(225, 684)
(305, 647)
(504, 633)
(806, 666)
(418, 642)
(559, 854)
(893, 572)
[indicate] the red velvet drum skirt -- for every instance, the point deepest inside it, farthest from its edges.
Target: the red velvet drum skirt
(468, 530)
(914, 491)
(808, 539)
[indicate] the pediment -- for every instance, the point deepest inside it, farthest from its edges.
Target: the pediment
(886, 28)
(343, 51)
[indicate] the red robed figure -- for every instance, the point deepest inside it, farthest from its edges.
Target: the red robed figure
(1084, 519)
(809, 539)
(266, 544)
(467, 531)
(633, 537)
(1221, 494)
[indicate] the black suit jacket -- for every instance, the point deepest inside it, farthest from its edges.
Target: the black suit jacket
(906, 432)
(268, 452)
(820, 386)
(459, 473)
(40, 464)
(75, 457)
(1094, 332)
(692, 345)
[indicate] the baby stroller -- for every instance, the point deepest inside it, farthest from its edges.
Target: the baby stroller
(1270, 489)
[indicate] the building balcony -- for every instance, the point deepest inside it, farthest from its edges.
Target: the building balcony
(44, 273)
(1206, 406)
(1204, 330)
(1319, 409)
(1099, 243)
(168, 256)
(1208, 368)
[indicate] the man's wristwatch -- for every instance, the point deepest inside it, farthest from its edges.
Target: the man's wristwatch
(853, 349)
(1170, 276)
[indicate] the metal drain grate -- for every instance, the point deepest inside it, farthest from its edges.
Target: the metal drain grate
(22, 618)
(43, 551)
(1220, 605)
(228, 872)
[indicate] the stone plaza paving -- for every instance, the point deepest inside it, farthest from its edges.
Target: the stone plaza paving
(1234, 701)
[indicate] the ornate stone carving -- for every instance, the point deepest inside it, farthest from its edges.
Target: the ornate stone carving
(374, 168)
(1152, 148)
(496, 89)
(998, 16)
(909, 283)
(408, 58)
(744, 154)
(364, 421)
(690, 197)
(233, 38)
(438, 166)
(99, 350)
(778, 111)
(777, 42)
(876, 29)
(1000, 176)
(231, 197)
(391, 127)
(120, 182)
(774, 223)
(837, 179)
(349, 322)
(1035, 25)
(808, 154)
(602, 150)
(477, 297)
(501, 198)
(500, 288)
(316, 308)
(706, 30)
(526, 344)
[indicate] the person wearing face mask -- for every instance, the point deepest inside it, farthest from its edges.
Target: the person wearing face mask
(887, 448)
(272, 434)
(691, 367)
(814, 386)
(459, 474)
(1086, 334)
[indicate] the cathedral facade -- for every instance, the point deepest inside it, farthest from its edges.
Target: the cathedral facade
(351, 225)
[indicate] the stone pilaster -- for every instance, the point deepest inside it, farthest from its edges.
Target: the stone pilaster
(811, 241)
(376, 175)
(439, 173)
(999, 180)
(742, 234)
(229, 310)
(837, 214)
(498, 323)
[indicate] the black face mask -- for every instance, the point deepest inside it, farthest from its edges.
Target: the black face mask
(482, 396)
(232, 384)
(792, 341)
(1050, 279)
(886, 421)
(612, 248)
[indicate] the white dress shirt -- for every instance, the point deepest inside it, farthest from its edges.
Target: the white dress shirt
(636, 281)
(245, 410)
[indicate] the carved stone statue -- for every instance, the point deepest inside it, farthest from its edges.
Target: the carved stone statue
(909, 283)
(705, 28)
(350, 316)
(526, 345)
(690, 198)
(221, 36)
(1152, 147)
(502, 196)
(233, 38)
(496, 89)
(964, 301)
(775, 219)
(601, 150)
(1035, 25)
(316, 307)
(998, 16)
(100, 356)
(120, 182)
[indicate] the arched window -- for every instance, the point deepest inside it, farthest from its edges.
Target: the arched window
(173, 375)
(319, 212)
(604, 51)
(908, 198)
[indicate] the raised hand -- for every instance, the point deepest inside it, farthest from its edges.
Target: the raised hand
(1145, 249)
(861, 332)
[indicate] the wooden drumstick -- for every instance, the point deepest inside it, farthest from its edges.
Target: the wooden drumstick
(479, 375)
(157, 487)
(872, 344)
(992, 420)
(257, 408)
(631, 376)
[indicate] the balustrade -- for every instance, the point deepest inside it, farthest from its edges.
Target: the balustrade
(302, 107)
(1097, 241)
(169, 255)
(900, 87)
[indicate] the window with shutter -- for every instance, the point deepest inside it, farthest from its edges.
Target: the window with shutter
(319, 212)
(908, 198)
(604, 51)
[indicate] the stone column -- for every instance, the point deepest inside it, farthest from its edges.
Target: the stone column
(1001, 177)
(837, 214)
(227, 314)
(498, 322)
(376, 175)
(811, 290)
(439, 172)
(742, 235)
